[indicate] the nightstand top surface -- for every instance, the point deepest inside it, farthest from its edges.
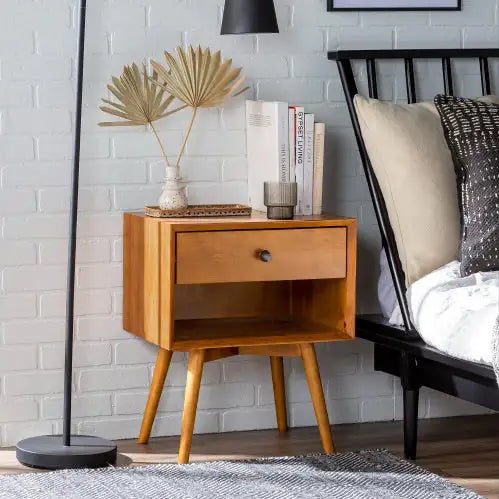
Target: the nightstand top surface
(257, 219)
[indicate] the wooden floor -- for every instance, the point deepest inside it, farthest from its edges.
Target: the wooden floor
(465, 450)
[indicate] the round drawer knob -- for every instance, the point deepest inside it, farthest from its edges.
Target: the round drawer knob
(265, 256)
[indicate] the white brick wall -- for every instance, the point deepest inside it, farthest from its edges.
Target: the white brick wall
(121, 171)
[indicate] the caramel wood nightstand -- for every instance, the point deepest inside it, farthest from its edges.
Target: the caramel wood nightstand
(220, 287)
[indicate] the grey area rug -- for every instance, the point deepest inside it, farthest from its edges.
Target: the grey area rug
(357, 475)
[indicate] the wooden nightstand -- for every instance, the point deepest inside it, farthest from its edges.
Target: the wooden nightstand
(220, 287)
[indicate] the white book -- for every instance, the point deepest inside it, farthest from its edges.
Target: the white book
(320, 136)
(267, 147)
(308, 165)
(292, 145)
(300, 155)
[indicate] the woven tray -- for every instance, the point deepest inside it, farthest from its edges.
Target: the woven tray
(200, 210)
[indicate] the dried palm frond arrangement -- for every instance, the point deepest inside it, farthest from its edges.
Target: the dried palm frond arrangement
(194, 77)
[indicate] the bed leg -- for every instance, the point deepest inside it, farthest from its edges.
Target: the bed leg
(410, 385)
(411, 402)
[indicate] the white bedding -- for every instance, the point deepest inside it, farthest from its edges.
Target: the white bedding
(458, 315)
(386, 290)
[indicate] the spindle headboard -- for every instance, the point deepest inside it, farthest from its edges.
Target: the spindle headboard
(344, 60)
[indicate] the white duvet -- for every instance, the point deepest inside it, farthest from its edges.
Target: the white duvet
(458, 315)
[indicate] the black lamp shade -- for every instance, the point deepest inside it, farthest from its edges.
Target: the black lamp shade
(249, 16)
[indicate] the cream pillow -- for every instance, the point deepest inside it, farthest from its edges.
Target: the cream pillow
(415, 172)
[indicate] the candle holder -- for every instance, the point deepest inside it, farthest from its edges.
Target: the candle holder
(280, 198)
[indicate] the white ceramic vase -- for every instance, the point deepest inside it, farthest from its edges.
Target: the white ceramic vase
(173, 196)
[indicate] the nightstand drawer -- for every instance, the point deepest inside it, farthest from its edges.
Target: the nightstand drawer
(260, 255)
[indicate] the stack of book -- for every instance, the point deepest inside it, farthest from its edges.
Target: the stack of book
(285, 145)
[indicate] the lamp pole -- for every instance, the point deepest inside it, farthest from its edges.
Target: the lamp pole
(73, 211)
(67, 451)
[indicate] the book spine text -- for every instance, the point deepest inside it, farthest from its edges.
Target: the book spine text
(308, 164)
(320, 136)
(283, 141)
(292, 144)
(300, 155)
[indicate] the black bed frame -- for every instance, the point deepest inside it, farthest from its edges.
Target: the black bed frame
(399, 350)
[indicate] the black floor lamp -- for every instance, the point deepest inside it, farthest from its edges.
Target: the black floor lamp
(66, 450)
(79, 451)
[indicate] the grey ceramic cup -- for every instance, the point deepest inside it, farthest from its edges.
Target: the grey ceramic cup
(280, 198)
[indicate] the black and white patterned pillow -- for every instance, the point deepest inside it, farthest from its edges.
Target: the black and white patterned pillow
(472, 132)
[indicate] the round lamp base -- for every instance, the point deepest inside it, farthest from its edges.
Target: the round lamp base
(48, 452)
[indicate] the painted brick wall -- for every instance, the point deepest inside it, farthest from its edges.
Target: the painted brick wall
(122, 170)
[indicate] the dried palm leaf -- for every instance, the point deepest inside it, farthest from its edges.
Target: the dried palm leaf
(197, 78)
(140, 100)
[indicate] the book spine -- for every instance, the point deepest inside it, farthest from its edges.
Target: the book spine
(308, 165)
(283, 141)
(320, 136)
(300, 155)
(254, 120)
(292, 144)
(267, 147)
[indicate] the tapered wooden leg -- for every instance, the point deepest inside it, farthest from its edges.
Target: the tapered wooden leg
(277, 368)
(194, 373)
(158, 381)
(314, 383)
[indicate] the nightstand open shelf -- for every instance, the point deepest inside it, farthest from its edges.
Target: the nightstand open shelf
(258, 313)
(216, 288)
(220, 333)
